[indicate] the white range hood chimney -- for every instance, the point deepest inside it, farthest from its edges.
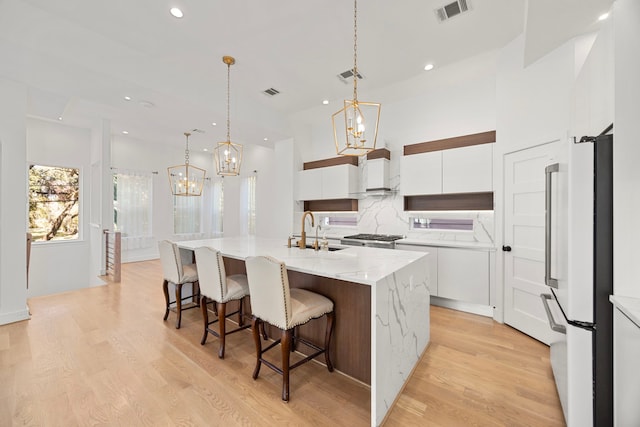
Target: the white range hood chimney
(378, 172)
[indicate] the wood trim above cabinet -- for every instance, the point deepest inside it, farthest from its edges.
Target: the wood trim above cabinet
(333, 161)
(450, 202)
(448, 143)
(335, 205)
(380, 153)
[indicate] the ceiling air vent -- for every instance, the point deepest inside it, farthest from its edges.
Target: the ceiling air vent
(452, 9)
(271, 91)
(346, 76)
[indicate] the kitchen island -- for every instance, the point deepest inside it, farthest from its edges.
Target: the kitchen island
(381, 300)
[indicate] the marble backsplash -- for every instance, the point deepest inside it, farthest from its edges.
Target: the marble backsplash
(384, 214)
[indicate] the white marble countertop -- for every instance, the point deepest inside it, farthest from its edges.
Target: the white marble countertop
(353, 264)
(448, 244)
(464, 244)
(629, 306)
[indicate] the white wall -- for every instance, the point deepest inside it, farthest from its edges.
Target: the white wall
(13, 203)
(59, 266)
(626, 148)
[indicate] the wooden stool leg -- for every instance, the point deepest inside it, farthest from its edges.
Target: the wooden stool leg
(205, 318)
(195, 287)
(264, 331)
(178, 304)
(255, 325)
(286, 350)
(241, 313)
(222, 317)
(165, 290)
(327, 341)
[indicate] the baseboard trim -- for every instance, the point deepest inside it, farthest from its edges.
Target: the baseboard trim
(479, 309)
(15, 316)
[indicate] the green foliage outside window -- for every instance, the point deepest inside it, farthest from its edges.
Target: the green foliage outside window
(53, 202)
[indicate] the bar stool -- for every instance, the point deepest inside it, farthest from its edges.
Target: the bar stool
(216, 286)
(174, 271)
(273, 302)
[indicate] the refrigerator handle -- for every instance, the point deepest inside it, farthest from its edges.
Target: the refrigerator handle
(552, 323)
(549, 281)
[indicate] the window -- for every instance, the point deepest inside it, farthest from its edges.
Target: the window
(251, 205)
(54, 202)
(187, 214)
(441, 224)
(248, 206)
(132, 203)
(217, 206)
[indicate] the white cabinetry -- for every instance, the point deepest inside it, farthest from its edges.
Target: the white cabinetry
(463, 275)
(310, 184)
(458, 170)
(460, 278)
(333, 182)
(626, 354)
(421, 174)
(468, 169)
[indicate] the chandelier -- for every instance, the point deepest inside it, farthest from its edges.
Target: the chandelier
(227, 154)
(355, 126)
(186, 180)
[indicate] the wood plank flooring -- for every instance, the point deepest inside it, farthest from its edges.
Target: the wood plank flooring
(103, 356)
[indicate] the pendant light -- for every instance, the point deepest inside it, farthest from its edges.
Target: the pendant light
(186, 180)
(228, 155)
(355, 126)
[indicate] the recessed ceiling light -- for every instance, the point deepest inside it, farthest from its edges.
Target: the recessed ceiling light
(125, 132)
(325, 102)
(428, 67)
(206, 149)
(603, 16)
(214, 124)
(127, 98)
(266, 139)
(176, 12)
(60, 118)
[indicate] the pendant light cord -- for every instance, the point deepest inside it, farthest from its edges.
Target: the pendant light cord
(186, 151)
(228, 91)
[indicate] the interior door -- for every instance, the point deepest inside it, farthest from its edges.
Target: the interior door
(524, 239)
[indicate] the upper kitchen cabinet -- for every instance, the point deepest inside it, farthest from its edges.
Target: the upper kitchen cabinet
(329, 179)
(468, 169)
(421, 174)
(455, 165)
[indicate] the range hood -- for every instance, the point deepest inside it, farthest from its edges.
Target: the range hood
(377, 172)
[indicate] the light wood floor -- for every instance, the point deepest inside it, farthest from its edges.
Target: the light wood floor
(103, 356)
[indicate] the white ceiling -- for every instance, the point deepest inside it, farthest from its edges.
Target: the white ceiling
(81, 57)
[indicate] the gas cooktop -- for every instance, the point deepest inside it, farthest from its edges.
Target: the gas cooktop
(378, 237)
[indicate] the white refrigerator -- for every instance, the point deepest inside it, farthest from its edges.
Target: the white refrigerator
(579, 273)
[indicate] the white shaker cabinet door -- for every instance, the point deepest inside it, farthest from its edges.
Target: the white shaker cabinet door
(421, 174)
(463, 275)
(310, 184)
(468, 169)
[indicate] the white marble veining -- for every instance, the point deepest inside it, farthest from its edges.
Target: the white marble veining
(629, 306)
(399, 301)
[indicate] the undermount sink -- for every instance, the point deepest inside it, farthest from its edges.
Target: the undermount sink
(331, 248)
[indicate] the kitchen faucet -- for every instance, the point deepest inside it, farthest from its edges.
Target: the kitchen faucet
(302, 244)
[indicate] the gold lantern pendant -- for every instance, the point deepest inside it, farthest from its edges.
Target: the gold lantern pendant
(186, 180)
(355, 125)
(227, 154)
